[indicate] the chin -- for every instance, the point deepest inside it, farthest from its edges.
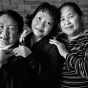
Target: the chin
(3, 44)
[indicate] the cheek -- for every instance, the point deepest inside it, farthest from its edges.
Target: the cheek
(48, 30)
(61, 25)
(13, 37)
(76, 24)
(33, 24)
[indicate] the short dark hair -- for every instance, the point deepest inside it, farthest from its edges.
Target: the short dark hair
(16, 17)
(70, 4)
(44, 6)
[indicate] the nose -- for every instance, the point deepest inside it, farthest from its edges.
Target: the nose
(67, 22)
(41, 25)
(4, 33)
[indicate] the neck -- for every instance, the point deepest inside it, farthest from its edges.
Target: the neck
(5, 47)
(36, 39)
(70, 38)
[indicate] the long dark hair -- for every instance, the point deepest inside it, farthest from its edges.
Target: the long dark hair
(45, 6)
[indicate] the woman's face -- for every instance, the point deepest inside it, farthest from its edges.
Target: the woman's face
(69, 21)
(8, 31)
(42, 24)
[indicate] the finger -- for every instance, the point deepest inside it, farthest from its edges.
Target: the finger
(8, 51)
(16, 49)
(52, 42)
(17, 55)
(54, 38)
(9, 55)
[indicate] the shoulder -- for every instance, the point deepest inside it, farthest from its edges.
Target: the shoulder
(28, 36)
(50, 47)
(47, 46)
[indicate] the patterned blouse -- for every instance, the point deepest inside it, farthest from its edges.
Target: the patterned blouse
(75, 70)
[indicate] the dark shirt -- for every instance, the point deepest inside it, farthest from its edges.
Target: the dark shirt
(45, 60)
(75, 69)
(15, 73)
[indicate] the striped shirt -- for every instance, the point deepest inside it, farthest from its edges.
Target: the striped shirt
(75, 70)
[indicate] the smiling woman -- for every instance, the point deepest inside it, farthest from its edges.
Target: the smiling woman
(70, 21)
(14, 71)
(44, 58)
(8, 31)
(44, 55)
(72, 45)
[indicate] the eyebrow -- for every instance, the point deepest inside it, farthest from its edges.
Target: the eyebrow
(68, 14)
(1, 23)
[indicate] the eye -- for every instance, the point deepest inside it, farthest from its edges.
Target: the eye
(39, 18)
(48, 23)
(62, 19)
(1, 27)
(71, 16)
(11, 28)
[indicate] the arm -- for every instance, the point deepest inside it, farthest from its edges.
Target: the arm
(16, 74)
(53, 66)
(4, 55)
(61, 47)
(77, 61)
(78, 64)
(22, 51)
(46, 66)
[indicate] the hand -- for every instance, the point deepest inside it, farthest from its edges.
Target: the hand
(4, 55)
(22, 51)
(61, 47)
(23, 35)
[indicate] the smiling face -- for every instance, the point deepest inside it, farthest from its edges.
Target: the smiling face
(69, 21)
(8, 31)
(42, 24)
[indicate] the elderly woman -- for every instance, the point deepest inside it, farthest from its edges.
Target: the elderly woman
(72, 43)
(14, 71)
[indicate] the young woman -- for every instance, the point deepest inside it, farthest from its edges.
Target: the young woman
(44, 57)
(72, 43)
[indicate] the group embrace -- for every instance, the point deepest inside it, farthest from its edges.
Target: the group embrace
(52, 54)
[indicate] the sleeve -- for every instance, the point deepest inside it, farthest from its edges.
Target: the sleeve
(53, 66)
(22, 74)
(78, 64)
(49, 67)
(16, 75)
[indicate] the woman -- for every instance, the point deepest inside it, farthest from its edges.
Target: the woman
(44, 56)
(14, 71)
(72, 43)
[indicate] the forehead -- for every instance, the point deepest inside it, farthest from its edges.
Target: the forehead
(67, 10)
(45, 14)
(6, 19)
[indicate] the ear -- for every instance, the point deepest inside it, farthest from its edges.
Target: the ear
(82, 20)
(59, 27)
